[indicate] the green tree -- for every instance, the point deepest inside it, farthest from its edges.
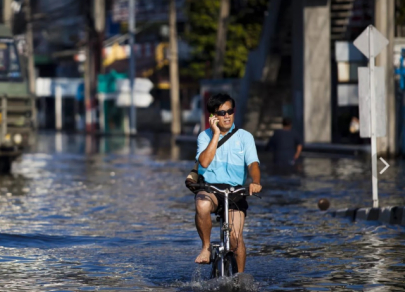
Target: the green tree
(244, 30)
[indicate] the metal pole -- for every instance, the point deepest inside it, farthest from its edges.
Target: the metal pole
(3, 118)
(174, 72)
(31, 64)
(373, 122)
(30, 48)
(58, 108)
(132, 69)
(87, 83)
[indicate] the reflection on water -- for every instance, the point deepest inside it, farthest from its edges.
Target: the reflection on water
(111, 213)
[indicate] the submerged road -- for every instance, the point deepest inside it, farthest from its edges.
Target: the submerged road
(112, 214)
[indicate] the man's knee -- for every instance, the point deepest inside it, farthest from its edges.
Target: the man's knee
(204, 203)
(203, 206)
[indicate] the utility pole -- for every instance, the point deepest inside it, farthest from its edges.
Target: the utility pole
(7, 13)
(174, 71)
(95, 14)
(30, 47)
(220, 47)
(30, 56)
(87, 81)
(132, 68)
(384, 16)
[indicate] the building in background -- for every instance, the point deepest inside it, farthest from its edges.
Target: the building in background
(151, 49)
(306, 68)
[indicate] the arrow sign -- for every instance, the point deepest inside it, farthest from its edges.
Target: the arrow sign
(378, 42)
(386, 165)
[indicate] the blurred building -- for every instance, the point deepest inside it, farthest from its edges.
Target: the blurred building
(306, 68)
(59, 30)
(151, 48)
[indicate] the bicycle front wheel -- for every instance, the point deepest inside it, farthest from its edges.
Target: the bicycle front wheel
(231, 267)
(216, 264)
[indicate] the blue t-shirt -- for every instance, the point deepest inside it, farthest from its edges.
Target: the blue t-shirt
(231, 160)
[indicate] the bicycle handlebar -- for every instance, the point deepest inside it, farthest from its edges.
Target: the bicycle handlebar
(232, 190)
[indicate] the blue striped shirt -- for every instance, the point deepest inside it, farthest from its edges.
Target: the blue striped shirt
(231, 160)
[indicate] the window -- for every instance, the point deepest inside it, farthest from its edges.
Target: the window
(148, 51)
(9, 63)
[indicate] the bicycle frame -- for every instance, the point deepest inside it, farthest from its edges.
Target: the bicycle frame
(225, 246)
(225, 233)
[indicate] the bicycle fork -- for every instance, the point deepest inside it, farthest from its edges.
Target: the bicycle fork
(225, 234)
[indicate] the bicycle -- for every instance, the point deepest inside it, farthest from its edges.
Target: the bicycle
(222, 258)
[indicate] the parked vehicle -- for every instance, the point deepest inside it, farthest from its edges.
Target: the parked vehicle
(191, 116)
(17, 105)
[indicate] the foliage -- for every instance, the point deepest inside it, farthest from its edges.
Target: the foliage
(244, 30)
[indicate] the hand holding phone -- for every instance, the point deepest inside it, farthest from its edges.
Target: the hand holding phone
(213, 120)
(212, 115)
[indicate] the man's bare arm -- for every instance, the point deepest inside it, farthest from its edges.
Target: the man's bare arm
(298, 152)
(254, 172)
(208, 154)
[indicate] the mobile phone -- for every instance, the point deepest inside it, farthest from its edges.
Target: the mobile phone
(211, 115)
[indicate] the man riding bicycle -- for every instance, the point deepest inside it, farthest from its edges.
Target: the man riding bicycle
(225, 166)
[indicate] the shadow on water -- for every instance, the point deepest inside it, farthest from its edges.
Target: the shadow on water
(110, 213)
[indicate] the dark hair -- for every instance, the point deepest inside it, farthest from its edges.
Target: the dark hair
(287, 122)
(215, 101)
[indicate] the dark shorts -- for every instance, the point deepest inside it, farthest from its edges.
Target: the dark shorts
(236, 201)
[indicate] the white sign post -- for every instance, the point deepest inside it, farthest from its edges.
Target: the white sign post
(373, 116)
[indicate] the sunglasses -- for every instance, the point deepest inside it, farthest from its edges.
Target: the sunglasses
(223, 113)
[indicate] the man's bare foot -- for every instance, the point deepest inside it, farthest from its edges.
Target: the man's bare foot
(204, 256)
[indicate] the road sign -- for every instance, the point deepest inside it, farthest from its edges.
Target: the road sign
(140, 85)
(370, 36)
(372, 96)
(386, 165)
(140, 97)
(365, 103)
(120, 9)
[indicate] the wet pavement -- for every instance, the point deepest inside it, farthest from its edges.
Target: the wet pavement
(112, 214)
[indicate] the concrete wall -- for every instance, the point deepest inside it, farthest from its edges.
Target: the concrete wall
(385, 23)
(312, 69)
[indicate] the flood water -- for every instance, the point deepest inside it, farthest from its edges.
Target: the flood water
(113, 214)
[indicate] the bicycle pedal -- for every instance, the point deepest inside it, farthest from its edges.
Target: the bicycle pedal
(215, 244)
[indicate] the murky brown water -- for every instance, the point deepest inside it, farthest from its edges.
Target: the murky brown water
(113, 215)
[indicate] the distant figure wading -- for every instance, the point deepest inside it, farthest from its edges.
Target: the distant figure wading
(285, 145)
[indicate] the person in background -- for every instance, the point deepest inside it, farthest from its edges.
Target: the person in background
(285, 145)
